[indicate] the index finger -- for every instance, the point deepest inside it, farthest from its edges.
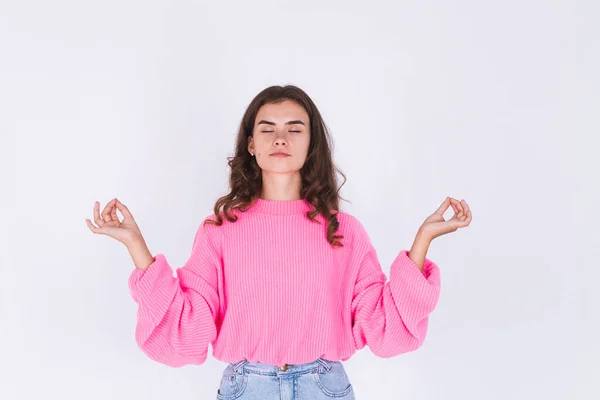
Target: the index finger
(124, 210)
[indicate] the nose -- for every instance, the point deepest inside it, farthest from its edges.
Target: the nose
(280, 142)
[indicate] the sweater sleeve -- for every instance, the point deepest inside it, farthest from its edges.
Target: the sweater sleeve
(176, 317)
(391, 316)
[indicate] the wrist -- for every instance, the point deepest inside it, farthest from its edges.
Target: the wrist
(134, 242)
(423, 237)
(139, 252)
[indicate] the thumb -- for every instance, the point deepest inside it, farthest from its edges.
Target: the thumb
(443, 207)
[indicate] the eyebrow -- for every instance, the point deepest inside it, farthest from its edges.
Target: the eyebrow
(262, 121)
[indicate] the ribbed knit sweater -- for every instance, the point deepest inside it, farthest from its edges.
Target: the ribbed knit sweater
(270, 288)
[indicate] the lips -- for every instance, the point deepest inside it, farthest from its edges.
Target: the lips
(280, 154)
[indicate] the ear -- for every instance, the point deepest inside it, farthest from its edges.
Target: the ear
(250, 144)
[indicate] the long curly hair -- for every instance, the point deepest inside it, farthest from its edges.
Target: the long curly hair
(318, 174)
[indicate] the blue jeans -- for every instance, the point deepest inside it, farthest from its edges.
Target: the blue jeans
(317, 380)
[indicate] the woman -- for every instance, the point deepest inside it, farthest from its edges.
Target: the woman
(282, 284)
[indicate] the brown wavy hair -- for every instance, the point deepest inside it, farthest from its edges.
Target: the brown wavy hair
(318, 174)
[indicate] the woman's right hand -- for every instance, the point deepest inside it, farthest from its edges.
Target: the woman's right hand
(126, 231)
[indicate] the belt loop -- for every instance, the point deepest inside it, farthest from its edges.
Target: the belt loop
(325, 363)
(238, 364)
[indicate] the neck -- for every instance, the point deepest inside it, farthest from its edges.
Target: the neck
(281, 187)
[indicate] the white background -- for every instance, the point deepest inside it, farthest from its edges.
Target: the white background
(492, 102)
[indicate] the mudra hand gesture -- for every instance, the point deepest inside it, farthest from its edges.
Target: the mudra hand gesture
(126, 231)
(435, 225)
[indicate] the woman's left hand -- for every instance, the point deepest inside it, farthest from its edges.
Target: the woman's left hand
(435, 225)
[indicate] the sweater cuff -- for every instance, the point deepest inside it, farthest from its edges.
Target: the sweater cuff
(141, 280)
(420, 288)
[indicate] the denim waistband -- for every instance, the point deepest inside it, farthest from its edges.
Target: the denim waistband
(270, 369)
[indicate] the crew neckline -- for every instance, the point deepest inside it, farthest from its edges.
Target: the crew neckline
(280, 207)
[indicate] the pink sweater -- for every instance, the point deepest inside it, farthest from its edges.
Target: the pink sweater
(270, 288)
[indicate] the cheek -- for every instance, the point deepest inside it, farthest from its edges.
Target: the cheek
(306, 145)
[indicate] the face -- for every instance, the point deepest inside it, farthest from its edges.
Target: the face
(282, 127)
